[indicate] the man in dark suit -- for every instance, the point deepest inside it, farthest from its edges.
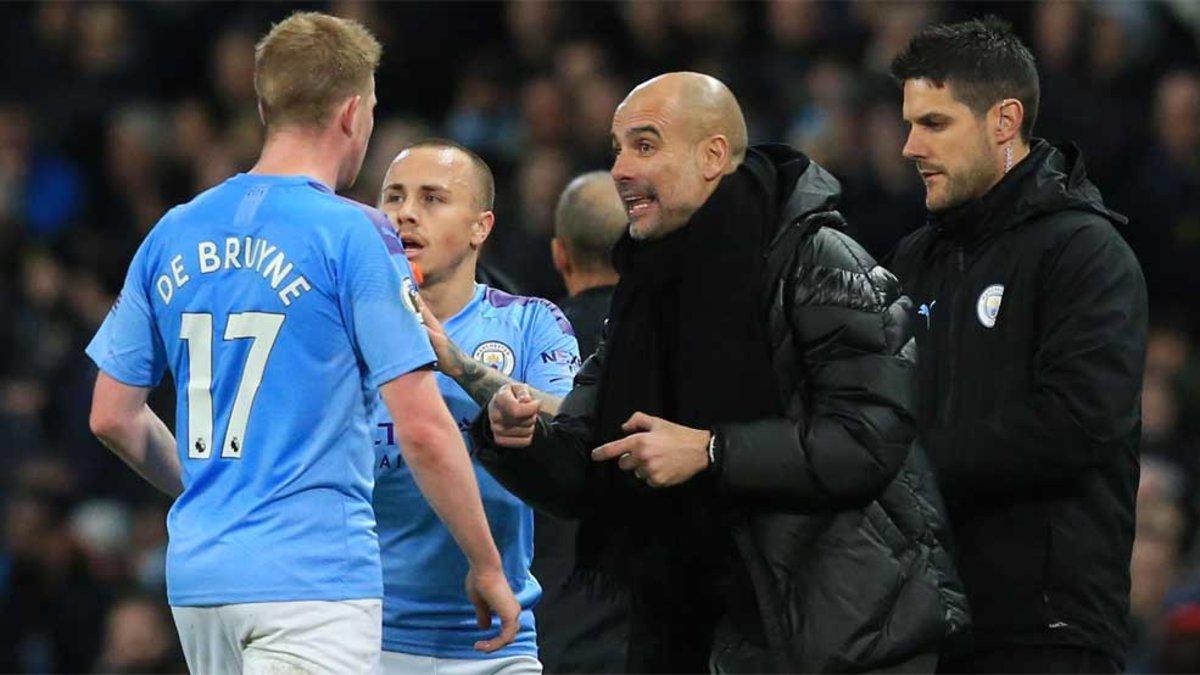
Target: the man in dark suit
(577, 633)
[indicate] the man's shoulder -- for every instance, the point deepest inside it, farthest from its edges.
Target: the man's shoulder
(832, 269)
(831, 248)
(530, 312)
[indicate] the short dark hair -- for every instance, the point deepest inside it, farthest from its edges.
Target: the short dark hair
(486, 198)
(984, 61)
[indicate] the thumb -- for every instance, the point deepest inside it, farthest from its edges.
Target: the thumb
(639, 421)
(522, 393)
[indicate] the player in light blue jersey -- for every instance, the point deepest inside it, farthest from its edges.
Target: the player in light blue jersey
(439, 197)
(277, 306)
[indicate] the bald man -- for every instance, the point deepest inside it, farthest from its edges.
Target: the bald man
(580, 632)
(589, 220)
(739, 450)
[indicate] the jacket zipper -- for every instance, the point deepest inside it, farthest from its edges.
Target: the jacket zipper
(952, 343)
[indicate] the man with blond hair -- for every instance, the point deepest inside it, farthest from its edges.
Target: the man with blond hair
(280, 308)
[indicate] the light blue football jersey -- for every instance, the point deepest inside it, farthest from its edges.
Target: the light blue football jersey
(425, 606)
(279, 308)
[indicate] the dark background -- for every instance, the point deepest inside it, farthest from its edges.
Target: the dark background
(111, 113)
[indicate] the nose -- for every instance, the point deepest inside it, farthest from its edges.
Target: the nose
(404, 212)
(622, 168)
(914, 149)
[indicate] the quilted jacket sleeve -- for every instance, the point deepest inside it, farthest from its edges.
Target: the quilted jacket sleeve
(856, 373)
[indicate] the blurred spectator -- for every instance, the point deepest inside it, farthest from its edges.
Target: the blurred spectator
(534, 27)
(139, 637)
(1166, 233)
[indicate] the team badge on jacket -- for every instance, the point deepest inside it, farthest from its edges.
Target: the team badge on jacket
(496, 354)
(988, 306)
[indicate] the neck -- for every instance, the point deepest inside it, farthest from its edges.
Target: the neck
(294, 152)
(580, 281)
(1020, 150)
(447, 296)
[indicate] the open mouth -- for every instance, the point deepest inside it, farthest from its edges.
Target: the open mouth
(636, 205)
(412, 243)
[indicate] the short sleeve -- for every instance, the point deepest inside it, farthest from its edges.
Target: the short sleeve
(379, 303)
(128, 346)
(553, 353)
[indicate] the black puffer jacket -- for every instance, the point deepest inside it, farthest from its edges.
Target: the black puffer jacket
(833, 509)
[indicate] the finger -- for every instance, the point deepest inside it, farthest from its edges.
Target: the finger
(614, 449)
(508, 434)
(639, 421)
(629, 462)
(509, 429)
(508, 632)
(483, 614)
(514, 441)
(431, 322)
(522, 410)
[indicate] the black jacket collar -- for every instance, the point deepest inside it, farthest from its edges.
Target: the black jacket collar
(1050, 179)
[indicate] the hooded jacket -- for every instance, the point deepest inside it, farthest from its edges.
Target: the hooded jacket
(833, 510)
(1031, 329)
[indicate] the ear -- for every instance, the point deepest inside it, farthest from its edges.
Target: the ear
(558, 254)
(1010, 114)
(715, 157)
(347, 112)
(481, 229)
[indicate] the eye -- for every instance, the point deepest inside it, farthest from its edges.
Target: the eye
(391, 199)
(434, 199)
(645, 147)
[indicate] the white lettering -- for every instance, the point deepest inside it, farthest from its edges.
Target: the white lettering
(165, 289)
(277, 270)
(209, 260)
(267, 250)
(181, 277)
(298, 286)
(231, 253)
(248, 252)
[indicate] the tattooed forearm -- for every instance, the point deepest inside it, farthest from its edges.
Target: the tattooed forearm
(481, 382)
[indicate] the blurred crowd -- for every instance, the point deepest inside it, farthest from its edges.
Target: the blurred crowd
(111, 113)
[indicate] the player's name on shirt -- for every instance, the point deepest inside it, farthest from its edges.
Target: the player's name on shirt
(248, 254)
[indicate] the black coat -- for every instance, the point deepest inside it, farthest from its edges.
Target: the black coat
(833, 509)
(1031, 329)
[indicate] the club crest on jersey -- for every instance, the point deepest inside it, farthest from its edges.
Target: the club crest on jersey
(988, 306)
(411, 298)
(495, 354)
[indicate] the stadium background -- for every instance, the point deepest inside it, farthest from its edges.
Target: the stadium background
(110, 113)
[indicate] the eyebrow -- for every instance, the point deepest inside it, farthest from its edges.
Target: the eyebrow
(932, 116)
(646, 129)
(426, 188)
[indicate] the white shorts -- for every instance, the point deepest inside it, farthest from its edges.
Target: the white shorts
(396, 663)
(278, 638)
